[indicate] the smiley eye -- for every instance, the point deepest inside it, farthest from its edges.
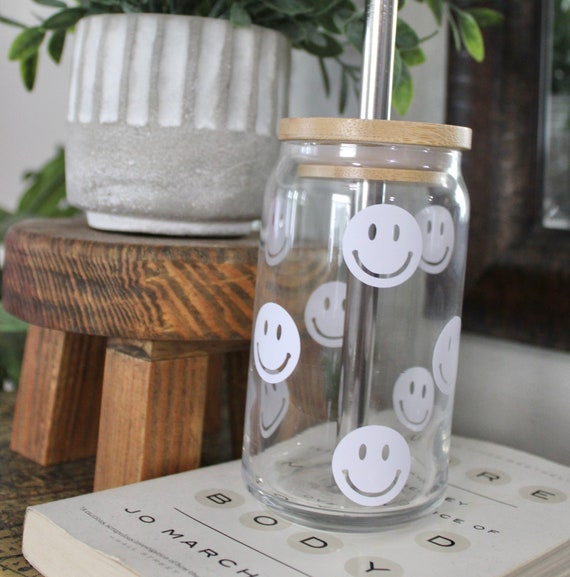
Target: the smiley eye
(429, 226)
(279, 332)
(424, 391)
(265, 327)
(372, 231)
(412, 387)
(274, 385)
(441, 229)
(385, 452)
(362, 452)
(327, 304)
(396, 232)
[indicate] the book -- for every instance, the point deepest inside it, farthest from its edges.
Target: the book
(505, 513)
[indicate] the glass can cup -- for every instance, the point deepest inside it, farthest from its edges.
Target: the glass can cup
(356, 322)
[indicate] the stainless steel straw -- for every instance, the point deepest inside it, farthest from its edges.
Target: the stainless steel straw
(361, 312)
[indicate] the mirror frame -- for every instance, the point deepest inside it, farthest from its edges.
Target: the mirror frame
(518, 273)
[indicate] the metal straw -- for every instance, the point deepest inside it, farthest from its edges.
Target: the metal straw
(361, 312)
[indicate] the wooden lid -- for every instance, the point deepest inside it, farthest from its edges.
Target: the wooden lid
(357, 130)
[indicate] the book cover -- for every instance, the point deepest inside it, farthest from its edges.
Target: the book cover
(506, 513)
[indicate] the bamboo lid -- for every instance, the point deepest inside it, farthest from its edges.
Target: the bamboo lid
(356, 130)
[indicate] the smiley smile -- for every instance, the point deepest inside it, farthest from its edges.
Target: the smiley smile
(320, 333)
(366, 493)
(278, 252)
(435, 263)
(378, 275)
(420, 422)
(279, 413)
(276, 371)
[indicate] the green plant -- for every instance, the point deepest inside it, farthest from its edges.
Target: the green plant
(43, 196)
(323, 28)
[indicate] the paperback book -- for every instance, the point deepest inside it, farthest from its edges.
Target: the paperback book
(506, 513)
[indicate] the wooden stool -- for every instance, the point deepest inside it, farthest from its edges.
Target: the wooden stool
(123, 329)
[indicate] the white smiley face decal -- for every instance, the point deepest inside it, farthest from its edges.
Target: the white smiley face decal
(276, 343)
(438, 236)
(278, 233)
(371, 465)
(413, 398)
(324, 314)
(274, 403)
(446, 356)
(382, 245)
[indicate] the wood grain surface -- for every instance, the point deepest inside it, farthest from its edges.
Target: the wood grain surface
(59, 396)
(60, 274)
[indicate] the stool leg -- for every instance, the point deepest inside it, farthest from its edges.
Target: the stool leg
(152, 412)
(214, 397)
(237, 368)
(59, 394)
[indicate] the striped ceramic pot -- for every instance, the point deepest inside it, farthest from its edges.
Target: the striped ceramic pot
(172, 122)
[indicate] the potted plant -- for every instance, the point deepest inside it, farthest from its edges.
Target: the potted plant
(164, 180)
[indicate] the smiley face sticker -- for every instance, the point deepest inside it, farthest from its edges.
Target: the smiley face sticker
(276, 343)
(371, 465)
(382, 245)
(413, 398)
(278, 233)
(274, 403)
(438, 238)
(446, 356)
(324, 314)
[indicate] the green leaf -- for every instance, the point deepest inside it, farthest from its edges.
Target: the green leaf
(46, 190)
(471, 35)
(436, 7)
(397, 69)
(26, 44)
(403, 93)
(291, 7)
(56, 45)
(28, 70)
(455, 34)
(64, 19)
(10, 22)
(343, 94)
(52, 3)
(413, 57)
(354, 31)
(325, 76)
(406, 37)
(9, 323)
(322, 45)
(239, 16)
(486, 17)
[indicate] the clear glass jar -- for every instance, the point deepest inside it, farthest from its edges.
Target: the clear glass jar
(357, 322)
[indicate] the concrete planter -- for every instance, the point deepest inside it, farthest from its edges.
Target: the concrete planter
(172, 122)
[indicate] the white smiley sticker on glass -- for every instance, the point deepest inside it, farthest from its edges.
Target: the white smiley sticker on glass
(274, 403)
(382, 245)
(276, 343)
(324, 314)
(371, 465)
(438, 236)
(413, 398)
(278, 233)
(446, 356)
